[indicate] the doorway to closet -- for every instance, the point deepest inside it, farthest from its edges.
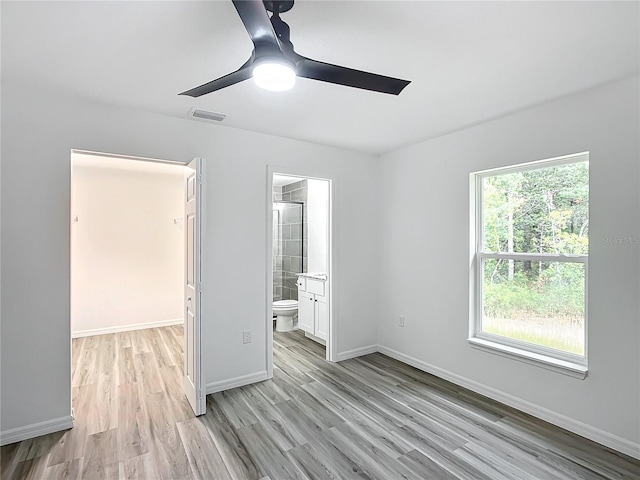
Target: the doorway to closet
(134, 289)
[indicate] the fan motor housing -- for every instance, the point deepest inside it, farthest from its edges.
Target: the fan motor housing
(278, 6)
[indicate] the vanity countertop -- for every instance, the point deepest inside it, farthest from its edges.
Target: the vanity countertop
(315, 276)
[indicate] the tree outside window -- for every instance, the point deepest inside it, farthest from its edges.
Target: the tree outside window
(532, 242)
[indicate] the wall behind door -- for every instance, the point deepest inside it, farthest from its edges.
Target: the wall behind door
(126, 249)
(318, 221)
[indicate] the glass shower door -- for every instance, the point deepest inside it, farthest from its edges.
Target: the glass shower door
(288, 248)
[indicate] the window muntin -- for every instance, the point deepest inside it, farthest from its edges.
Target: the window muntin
(531, 257)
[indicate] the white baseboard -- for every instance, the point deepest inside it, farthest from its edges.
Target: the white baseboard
(600, 436)
(19, 434)
(357, 352)
(236, 382)
(126, 328)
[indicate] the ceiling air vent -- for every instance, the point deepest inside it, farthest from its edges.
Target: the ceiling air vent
(199, 114)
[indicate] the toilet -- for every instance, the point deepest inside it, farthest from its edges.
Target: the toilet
(286, 311)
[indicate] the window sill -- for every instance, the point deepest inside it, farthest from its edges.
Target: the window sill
(560, 366)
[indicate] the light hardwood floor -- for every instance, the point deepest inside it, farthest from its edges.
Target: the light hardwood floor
(370, 417)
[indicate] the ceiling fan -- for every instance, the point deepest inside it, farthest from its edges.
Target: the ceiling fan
(274, 65)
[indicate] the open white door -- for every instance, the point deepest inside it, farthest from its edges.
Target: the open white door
(192, 292)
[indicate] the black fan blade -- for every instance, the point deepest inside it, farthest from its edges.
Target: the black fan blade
(326, 72)
(240, 75)
(256, 20)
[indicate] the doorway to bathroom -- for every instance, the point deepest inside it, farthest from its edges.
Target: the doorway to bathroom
(299, 270)
(135, 295)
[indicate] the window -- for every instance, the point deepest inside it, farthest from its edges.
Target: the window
(530, 248)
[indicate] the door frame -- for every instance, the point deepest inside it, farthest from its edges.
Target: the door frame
(201, 198)
(332, 336)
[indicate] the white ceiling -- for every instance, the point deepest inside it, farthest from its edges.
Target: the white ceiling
(468, 61)
(129, 164)
(282, 180)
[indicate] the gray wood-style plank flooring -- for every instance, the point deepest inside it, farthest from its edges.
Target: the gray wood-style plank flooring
(370, 417)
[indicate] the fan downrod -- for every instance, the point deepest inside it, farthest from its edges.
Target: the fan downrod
(278, 6)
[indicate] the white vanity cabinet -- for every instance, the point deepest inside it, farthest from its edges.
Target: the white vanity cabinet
(306, 312)
(313, 316)
(321, 315)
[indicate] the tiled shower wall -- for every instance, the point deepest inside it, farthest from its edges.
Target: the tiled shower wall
(289, 240)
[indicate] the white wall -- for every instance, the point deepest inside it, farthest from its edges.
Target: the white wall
(424, 207)
(318, 223)
(35, 372)
(127, 254)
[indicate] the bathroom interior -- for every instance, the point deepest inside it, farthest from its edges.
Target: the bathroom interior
(300, 256)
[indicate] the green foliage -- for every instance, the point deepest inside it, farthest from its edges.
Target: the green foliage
(520, 301)
(538, 211)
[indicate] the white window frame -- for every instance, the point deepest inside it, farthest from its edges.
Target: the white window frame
(556, 360)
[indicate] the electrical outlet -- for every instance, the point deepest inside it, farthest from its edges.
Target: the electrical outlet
(246, 336)
(401, 320)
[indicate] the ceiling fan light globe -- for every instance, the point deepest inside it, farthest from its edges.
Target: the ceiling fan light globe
(274, 76)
